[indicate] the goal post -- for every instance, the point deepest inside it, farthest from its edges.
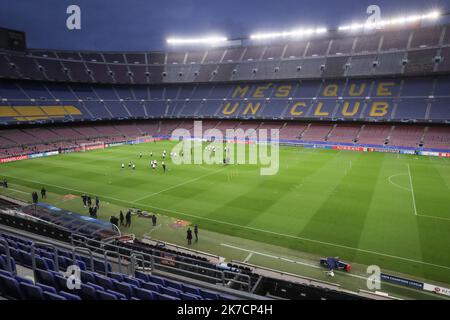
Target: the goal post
(92, 146)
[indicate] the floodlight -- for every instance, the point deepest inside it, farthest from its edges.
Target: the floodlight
(291, 33)
(433, 15)
(212, 40)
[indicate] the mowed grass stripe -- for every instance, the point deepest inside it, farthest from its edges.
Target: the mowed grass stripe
(275, 209)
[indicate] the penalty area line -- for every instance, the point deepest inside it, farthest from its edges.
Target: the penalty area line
(177, 185)
(412, 190)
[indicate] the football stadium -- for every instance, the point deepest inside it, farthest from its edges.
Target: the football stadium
(307, 164)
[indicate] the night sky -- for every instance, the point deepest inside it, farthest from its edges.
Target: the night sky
(142, 25)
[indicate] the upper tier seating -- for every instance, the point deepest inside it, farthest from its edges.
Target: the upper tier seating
(333, 55)
(399, 99)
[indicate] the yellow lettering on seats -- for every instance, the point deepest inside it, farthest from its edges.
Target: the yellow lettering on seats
(383, 88)
(6, 111)
(226, 108)
(29, 111)
(319, 111)
(252, 108)
(345, 108)
(295, 107)
(259, 91)
(331, 90)
(283, 91)
(379, 109)
(239, 91)
(353, 93)
(72, 110)
(54, 110)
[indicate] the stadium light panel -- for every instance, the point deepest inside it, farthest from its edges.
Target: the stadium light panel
(433, 15)
(212, 40)
(286, 34)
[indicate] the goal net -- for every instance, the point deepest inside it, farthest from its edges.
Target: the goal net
(92, 146)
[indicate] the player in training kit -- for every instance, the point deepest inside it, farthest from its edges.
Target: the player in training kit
(133, 167)
(129, 164)
(164, 166)
(140, 155)
(123, 165)
(151, 154)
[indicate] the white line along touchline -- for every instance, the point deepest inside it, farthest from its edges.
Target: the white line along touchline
(247, 227)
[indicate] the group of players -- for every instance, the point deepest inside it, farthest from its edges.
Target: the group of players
(153, 162)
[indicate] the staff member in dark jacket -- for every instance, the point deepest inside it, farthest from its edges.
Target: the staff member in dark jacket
(121, 217)
(189, 236)
(128, 219)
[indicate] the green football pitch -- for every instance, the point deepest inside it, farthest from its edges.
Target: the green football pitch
(368, 208)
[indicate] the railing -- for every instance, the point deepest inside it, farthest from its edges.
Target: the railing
(160, 260)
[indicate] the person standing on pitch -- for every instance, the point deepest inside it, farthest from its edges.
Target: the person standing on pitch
(43, 193)
(154, 220)
(128, 219)
(164, 166)
(189, 236)
(121, 218)
(196, 233)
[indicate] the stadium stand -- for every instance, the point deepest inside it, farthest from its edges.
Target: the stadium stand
(45, 250)
(379, 90)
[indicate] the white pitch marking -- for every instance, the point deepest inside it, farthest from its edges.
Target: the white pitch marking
(249, 228)
(248, 257)
(397, 185)
(176, 186)
(412, 190)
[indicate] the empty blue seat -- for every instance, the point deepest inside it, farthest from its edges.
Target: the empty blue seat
(46, 288)
(6, 273)
(45, 277)
(174, 284)
(25, 258)
(189, 296)
(99, 266)
(191, 289)
(61, 282)
(142, 276)
(151, 286)
(64, 262)
(9, 287)
(81, 264)
(87, 276)
(135, 282)
(166, 297)
(69, 296)
(53, 296)
(4, 263)
(87, 292)
(102, 295)
(117, 294)
(23, 280)
(209, 295)
(170, 291)
(124, 288)
(117, 276)
(104, 282)
(31, 292)
(157, 280)
(96, 286)
(42, 264)
(144, 294)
